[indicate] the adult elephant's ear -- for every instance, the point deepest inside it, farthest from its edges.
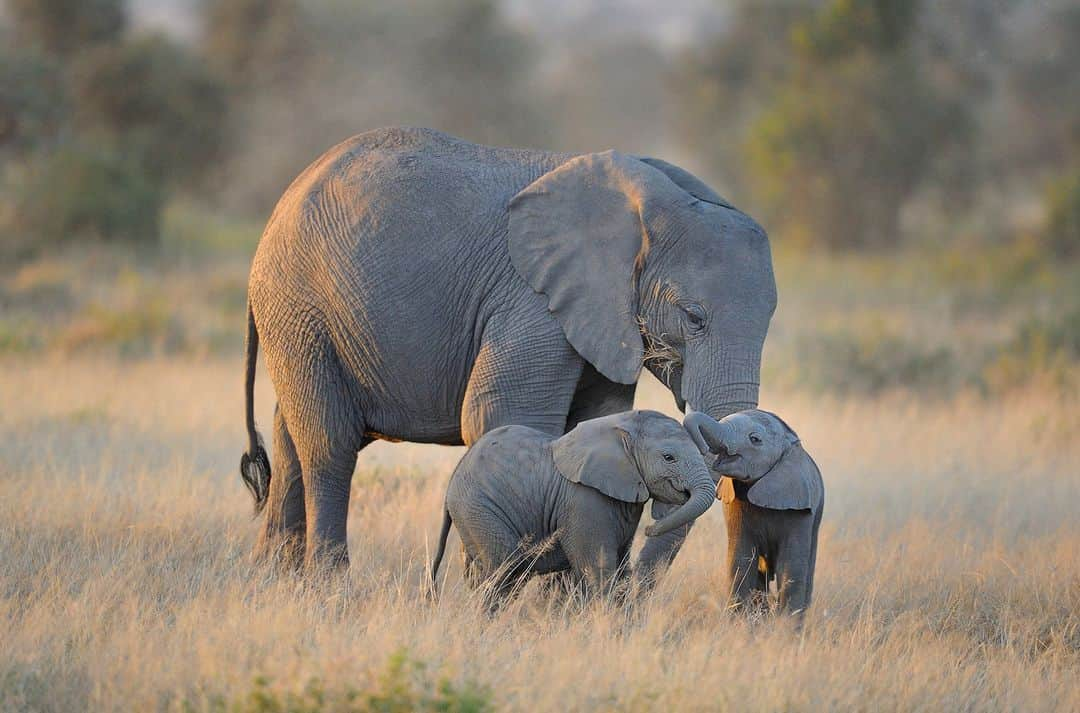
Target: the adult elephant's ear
(579, 236)
(688, 182)
(794, 483)
(597, 453)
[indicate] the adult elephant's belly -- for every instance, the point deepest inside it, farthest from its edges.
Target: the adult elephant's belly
(412, 330)
(387, 258)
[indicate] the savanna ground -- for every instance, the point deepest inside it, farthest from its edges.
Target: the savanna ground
(937, 393)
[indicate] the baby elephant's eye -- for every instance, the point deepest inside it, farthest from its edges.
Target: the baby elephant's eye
(755, 439)
(669, 458)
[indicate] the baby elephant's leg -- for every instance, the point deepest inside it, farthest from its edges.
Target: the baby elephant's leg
(747, 582)
(794, 574)
(500, 565)
(597, 559)
(471, 569)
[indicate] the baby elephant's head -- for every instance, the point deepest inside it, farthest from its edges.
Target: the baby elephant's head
(635, 455)
(757, 448)
(748, 444)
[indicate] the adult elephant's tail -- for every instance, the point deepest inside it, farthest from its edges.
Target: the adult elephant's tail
(254, 465)
(435, 563)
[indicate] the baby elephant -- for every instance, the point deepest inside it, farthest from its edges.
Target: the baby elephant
(517, 487)
(773, 498)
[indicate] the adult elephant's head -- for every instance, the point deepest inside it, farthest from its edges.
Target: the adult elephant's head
(642, 263)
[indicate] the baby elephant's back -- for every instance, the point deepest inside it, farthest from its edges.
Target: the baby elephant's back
(508, 469)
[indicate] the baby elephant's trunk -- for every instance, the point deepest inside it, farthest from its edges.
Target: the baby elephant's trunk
(702, 495)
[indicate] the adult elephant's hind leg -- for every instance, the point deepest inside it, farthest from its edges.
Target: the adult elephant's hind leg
(328, 430)
(327, 485)
(282, 537)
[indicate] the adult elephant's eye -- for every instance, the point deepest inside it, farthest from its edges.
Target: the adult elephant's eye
(669, 458)
(755, 439)
(695, 316)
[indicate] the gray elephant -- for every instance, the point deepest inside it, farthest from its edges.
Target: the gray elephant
(773, 499)
(412, 286)
(526, 503)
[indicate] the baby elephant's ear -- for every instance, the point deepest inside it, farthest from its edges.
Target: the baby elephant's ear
(794, 483)
(597, 454)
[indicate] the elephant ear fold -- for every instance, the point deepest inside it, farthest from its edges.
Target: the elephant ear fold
(597, 454)
(688, 182)
(794, 483)
(578, 236)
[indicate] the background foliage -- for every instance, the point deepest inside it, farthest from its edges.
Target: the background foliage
(950, 122)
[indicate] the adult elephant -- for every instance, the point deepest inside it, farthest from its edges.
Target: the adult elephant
(412, 286)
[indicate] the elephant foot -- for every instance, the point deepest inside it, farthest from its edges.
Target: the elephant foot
(326, 559)
(755, 605)
(284, 552)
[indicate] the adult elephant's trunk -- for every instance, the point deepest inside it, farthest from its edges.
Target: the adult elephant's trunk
(731, 385)
(702, 496)
(708, 433)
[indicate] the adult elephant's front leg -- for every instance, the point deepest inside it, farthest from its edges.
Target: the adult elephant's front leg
(524, 375)
(596, 396)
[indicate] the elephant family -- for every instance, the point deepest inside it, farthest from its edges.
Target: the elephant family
(773, 499)
(412, 286)
(527, 503)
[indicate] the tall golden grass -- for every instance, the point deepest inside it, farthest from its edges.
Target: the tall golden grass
(948, 575)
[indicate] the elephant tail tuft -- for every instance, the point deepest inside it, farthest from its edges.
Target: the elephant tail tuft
(255, 472)
(254, 465)
(435, 563)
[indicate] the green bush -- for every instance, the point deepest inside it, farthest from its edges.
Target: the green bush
(256, 43)
(33, 100)
(1040, 349)
(405, 686)
(65, 27)
(873, 360)
(855, 128)
(79, 192)
(1062, 232)
(156, 100)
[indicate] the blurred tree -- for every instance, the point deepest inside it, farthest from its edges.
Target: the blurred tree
(255, 43)
(589, 82)
(454, 65)
(33, 100)
(839, 130)
(65, 27)
(844, 27)
(838, 153)
(473, 70)
(80, 192)
(1062, 232)
(155, 101)
(723, 84)
(1044, 83)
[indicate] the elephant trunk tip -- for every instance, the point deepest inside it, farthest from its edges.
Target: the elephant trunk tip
(701, 498)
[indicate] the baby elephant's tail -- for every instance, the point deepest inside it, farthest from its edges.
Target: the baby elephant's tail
(446, 522)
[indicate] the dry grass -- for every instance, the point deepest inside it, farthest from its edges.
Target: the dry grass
(949, 575)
